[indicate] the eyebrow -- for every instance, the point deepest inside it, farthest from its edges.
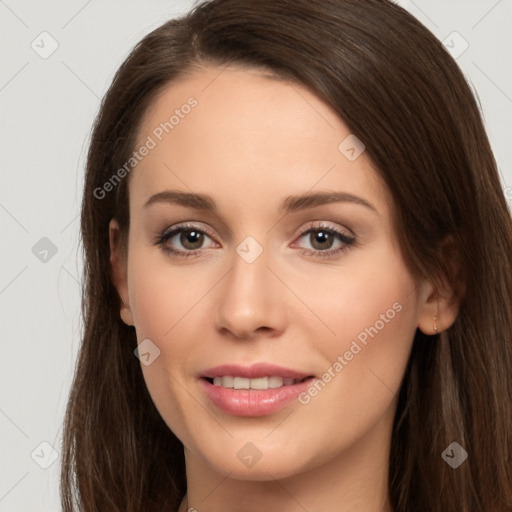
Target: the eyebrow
(289, 205)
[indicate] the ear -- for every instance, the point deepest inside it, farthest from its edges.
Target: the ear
(118, 264)
(438, 309)
(439, 302)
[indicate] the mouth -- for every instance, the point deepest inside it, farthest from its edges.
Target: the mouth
(269, 382)
(256, 390)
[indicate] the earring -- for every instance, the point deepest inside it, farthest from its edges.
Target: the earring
(435, 324)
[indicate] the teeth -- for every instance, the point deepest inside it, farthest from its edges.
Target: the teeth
(259, 383)
(241, 383)
(275, 382)
(227, 382)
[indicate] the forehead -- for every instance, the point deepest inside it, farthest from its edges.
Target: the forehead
(259, 135)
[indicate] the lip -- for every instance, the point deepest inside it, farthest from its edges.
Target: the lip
(253, 402)
(253, 371)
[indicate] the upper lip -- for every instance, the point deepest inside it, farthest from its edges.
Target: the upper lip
(253, 371)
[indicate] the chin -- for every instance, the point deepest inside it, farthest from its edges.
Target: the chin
(241, 460)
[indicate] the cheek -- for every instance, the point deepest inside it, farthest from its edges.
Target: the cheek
(160, 310)
(373, 292)
(166, 303)
(368, 314)
(163, 295)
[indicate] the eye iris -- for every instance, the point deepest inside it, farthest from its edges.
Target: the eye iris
(191, 237)
(321, 237)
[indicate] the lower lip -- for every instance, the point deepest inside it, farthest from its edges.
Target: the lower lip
(253, 402)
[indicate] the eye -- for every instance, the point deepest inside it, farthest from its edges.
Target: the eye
(188, 236)
(321, 239)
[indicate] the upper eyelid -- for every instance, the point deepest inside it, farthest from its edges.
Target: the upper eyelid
(326, 226)
(185, 226)
(310, 227)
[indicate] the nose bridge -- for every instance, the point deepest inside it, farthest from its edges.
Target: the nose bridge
(248, 279)
(249, 250)
(248, 300)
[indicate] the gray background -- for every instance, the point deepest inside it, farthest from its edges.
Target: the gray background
(48, 106)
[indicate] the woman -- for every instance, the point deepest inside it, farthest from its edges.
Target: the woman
(298, 260)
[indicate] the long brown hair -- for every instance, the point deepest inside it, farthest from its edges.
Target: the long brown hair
(397, 89)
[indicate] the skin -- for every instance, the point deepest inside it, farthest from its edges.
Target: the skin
(251, 142)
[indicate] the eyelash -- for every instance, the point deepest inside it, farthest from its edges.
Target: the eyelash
(348, 241)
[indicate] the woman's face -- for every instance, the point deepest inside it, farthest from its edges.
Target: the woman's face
(266, 272)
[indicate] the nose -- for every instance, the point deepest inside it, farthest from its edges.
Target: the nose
(251, 299)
